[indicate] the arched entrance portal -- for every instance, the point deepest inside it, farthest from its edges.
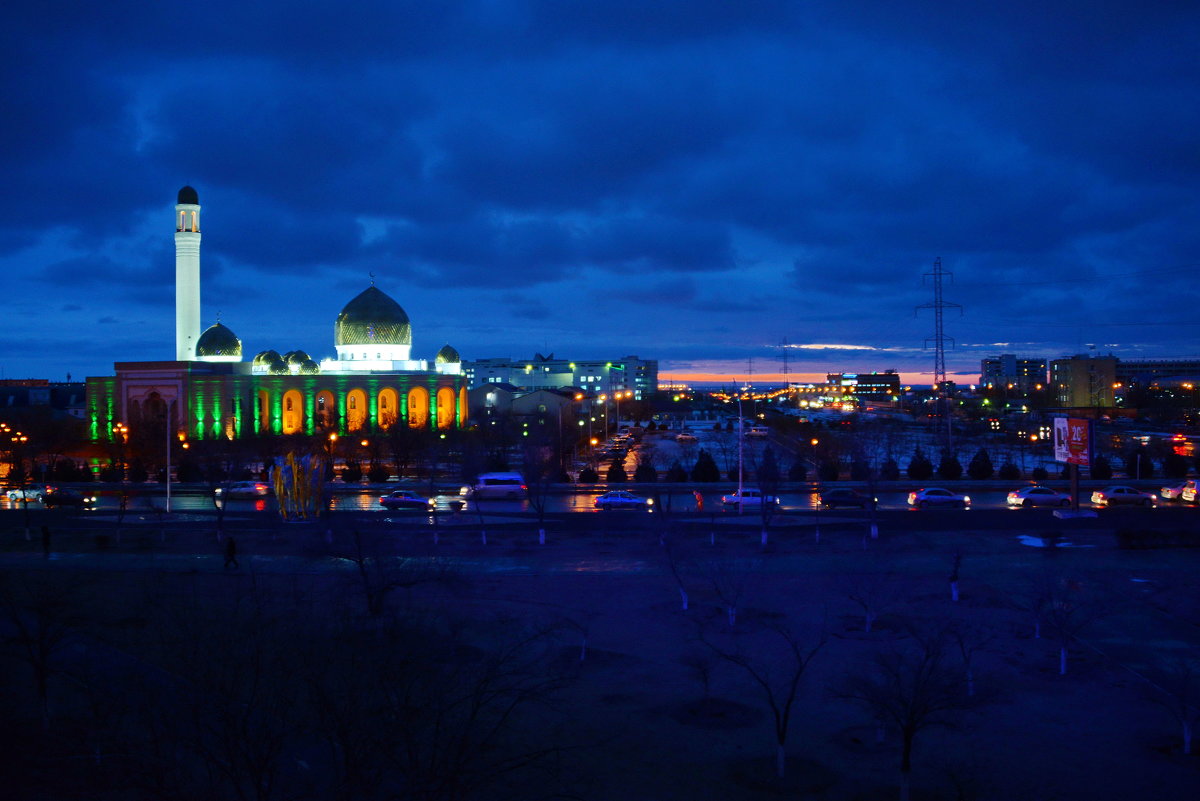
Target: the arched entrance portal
(389, 408)
(356, 410)
(327, 412)
(418, 408)
(445, 408)
(293, 412)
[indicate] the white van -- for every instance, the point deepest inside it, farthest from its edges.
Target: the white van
(496, 485)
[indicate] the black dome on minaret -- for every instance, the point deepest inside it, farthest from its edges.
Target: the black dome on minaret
(188, 195)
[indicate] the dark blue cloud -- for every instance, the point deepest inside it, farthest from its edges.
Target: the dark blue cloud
(751, 171)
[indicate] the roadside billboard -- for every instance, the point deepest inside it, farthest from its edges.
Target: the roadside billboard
(1073, 440)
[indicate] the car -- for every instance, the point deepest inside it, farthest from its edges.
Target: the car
(24, 494)
(1028, 497)
(244, 489)
(749, 499)
(1173, 492)
(405, 499)
(832, 499)
(496, 485)
(757, 431)
(1122, 496)
(620, 499)
(1189, 493)
(63, 496)
(936, 496)
(686, 438)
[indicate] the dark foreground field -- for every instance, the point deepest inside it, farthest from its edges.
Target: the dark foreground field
(380, 665)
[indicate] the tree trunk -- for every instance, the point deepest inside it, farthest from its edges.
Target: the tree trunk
(870, 618)
(780, 761)
(583, 648)
(954, 591)
(731, 613)
(764, 537)
(1187, 737)
(1037, 629)
(683, 597)
(541, 536)
(970, 683)
(483, 535)
(874, 531)
(1062, 660)
(906, 767)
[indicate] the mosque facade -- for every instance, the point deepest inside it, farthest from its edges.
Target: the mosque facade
(210, 391)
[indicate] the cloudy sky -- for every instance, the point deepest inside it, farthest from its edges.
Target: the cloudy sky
(695, 181)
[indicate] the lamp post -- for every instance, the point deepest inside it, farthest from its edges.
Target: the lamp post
(121, 436)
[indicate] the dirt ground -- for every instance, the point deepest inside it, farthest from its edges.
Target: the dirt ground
(658, 714)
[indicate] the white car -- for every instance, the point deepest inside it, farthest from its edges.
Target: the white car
(244, 489)
(20, 494)
(1037, 496)
(936, 496)
(510, 486)
(1173, 492)
(1122, 496)
(1189, 493)
(749, 499)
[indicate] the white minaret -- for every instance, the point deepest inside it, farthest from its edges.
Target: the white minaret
(187, 274)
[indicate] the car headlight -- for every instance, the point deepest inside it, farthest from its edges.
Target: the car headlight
(649, 501)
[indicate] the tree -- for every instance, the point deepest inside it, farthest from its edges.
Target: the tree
(1175, 465)
(1009, 471)
(769, 481)
(1138, 464)
(1039, 474)
(798, 471)
(860, 468)
(645, 472)
(980, 467)
(919, 466)
(913, 689)
(949, 468)
(588, 475)
(616, 472)
(890, 471)
(1178, 691)
(1068, 607)
(676, 474)
(539, 469)
(1100, 469)
(827, 470)
(777, 673)
(705, 469)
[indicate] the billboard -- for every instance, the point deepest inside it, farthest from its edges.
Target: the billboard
(1073, 440)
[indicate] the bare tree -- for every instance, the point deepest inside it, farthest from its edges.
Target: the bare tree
(1070, 606)
(42, 613)
(913, 689)
(873, 592)
(1178, 691)
(729, 579)
(776, 672)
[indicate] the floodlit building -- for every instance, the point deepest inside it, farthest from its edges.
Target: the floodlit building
(630, 373)
(210, 390)
(1013, 373)
(1084, 381)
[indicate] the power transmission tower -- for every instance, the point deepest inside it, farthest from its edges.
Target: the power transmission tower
(939, 340)
(784, 349)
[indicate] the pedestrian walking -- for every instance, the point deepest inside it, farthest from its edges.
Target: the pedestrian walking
(230, 553)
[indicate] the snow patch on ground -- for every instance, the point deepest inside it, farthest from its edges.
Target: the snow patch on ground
(1040, 542)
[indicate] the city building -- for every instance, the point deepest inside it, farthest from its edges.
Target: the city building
(209, 390)
(883, 386)
(64, 398)
(1158, 372)
(1018, 375)
(1084, 381)
(629, 373)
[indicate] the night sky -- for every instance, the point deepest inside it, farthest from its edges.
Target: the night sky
(689, 181)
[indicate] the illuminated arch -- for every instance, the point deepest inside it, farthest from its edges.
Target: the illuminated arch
(293, 412)
(326, 413)
(389, 407)
(418, 407)
(264, 411)
(445, 407)
(462, 405)
(356, 410)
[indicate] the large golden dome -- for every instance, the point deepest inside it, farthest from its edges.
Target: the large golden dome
(372, 318)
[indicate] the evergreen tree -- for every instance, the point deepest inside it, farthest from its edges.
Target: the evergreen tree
(768, 470)
(798, 471)
(949, 468)
(378, 474)
(1175, 466)
(860, 470)
(827, 470)
(706, 469)
(919, 467)
(980, 467)
(890, 471)
(645, 473)
(352, 473)
(676, 474)
(1138, 464)
(1101, 469)
(588, 475)
(616, 472)
(1009, 471)
(1039, 474)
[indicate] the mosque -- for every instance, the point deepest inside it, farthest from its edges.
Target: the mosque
(210, 391)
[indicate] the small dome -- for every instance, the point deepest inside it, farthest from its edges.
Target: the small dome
(218, 341)
(309, 367)
(188, 195)
(296, 357)
(267, 357)
(447, 355)
(372, 318)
